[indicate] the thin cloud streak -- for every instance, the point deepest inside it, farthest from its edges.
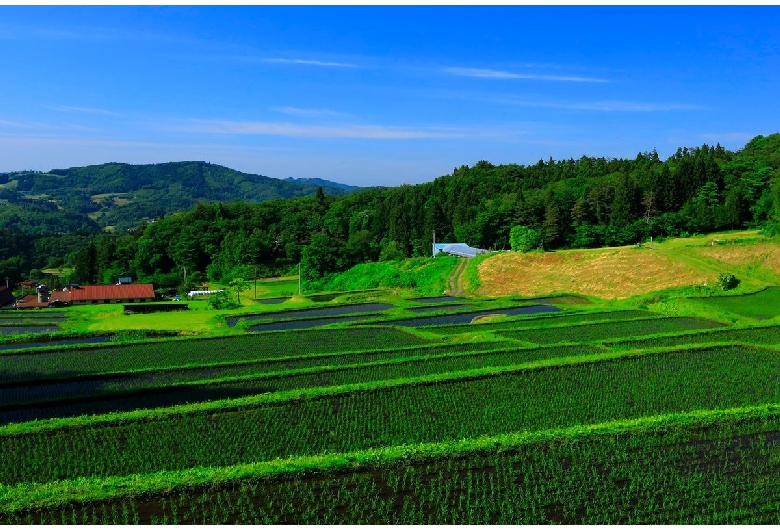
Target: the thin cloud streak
(500, 74)
(373, 132)
(606, 106)
(40, 126)
(307, 62)
(86, 110)
(315, 113)
(24, 141)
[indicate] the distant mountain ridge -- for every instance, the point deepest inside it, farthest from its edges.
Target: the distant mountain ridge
(124, 195)
(324, 183)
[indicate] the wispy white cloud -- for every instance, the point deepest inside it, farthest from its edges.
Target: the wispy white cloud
(605, 106)
(629, 106)
(86, 110)
(39, 126)
(87, 33)
(307, 62)
(375, 132)
(501, 74)
(66, 141)
(310, 113)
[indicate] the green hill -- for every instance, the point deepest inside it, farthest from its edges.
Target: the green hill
(125, 195)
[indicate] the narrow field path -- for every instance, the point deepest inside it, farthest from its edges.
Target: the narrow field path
(456, 280)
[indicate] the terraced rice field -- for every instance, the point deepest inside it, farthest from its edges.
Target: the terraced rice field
(30, 322)
(307, 313)
(193, 352)
(307, 323)
(27, 402)
(270, 301)
(688, 475)
(438, 307)
(761, 306)
(25, 330)
(608, 330)
(637, 418)
(50, 343)
(30, 315)
(762, 336)
(468, 316)
(436, 299)
(543, 320)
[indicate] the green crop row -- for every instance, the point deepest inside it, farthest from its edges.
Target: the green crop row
(32, 315)
(64, 383)
(25, 323)
(400, 368)
(761, 305)
(160, 355)
(157, 390)
(765, 336)
(609, 330)
(705, 467)
(385, 414)
(542, 320)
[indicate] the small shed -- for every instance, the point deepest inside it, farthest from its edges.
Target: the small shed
(457, 249)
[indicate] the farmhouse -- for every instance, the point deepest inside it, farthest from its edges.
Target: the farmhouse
(109, 294)
(43, 299)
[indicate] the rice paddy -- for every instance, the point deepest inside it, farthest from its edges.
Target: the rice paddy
(575, 413)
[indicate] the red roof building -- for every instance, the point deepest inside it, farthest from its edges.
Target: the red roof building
(110, 294)
(32, 301)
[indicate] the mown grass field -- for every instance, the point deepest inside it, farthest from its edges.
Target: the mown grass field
(662, 408)
(619, 273)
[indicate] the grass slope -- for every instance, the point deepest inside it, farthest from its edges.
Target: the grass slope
(426, 276)
(623, 272)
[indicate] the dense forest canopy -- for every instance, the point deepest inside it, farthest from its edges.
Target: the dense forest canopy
(588, 202)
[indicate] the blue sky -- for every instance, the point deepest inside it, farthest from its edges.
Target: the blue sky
(379, 95)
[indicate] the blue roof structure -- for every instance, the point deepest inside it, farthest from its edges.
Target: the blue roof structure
(457, 249)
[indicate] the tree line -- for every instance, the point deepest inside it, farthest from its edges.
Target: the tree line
(583, 203)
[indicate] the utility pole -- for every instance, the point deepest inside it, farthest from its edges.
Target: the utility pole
(185, 275)
(434, 243)
(299, 279)
(255, 282)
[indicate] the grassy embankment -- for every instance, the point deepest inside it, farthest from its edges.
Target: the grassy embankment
(423, 276)
(686, 265)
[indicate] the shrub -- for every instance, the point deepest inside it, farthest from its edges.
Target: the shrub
(221, 301)
(524, 239)
(727, 281)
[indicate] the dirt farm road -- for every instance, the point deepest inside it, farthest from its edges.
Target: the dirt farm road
(456, 280)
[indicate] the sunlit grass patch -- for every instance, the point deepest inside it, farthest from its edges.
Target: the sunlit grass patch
(614, 273)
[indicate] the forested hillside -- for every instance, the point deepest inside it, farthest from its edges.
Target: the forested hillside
(589, 202)
(123, 196)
